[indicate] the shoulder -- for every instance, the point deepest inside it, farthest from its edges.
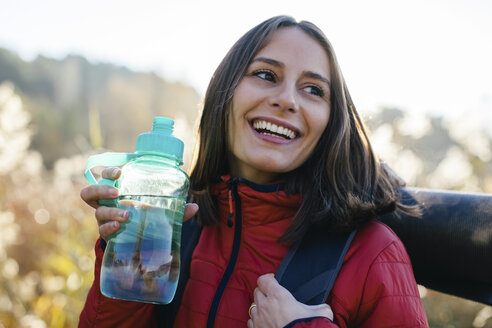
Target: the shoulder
(376, 240)
(379, 256)
(375, 228)
(376, 266)
(374, 243)
(376, 286)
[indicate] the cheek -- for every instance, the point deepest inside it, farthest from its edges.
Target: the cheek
(320, 129)
(319, 122)
(317, 125)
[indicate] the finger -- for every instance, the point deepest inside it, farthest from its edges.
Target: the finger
(190, 211)
(268, 285)
(253, 311)
(105, 214)
(323, 310)
(112, 173)
(259, 297)
(107, 229)
(91, 194)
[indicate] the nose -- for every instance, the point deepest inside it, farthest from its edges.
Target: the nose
(285, 98)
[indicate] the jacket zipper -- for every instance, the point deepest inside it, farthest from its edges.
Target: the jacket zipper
(232, 183)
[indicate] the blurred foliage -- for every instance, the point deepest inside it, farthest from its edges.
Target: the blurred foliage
(63, 95)
(51, 114)
(434, 152)
(46, 261)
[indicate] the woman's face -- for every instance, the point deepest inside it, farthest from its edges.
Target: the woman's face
(280, 107)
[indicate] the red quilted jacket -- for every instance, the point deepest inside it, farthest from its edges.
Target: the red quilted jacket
(375, 286)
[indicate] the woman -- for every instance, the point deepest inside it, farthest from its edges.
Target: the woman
(282, 150)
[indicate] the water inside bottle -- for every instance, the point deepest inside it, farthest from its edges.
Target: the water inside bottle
(141, 261)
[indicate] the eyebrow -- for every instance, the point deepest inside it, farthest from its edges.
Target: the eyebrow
(317, 77)
(268, 61)
(276, 63)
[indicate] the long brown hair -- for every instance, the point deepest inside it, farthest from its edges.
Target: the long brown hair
(343, 183)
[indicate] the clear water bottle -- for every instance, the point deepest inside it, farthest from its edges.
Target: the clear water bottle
(141, 261)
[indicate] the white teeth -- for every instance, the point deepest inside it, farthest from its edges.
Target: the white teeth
(282, 130)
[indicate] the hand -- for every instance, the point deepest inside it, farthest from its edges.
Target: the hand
(277, 307)
(109, 218)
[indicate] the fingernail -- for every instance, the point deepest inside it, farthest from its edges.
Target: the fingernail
(125, 214)
(114, 172)
(113, 192)
(193, 204)
(115, 224)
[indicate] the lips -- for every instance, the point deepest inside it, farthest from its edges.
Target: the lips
(270, 127)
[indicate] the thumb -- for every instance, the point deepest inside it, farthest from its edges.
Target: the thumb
(190, 210)
(268, 285)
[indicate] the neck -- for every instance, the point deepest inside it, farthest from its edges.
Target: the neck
(238, 170)
(256, 177)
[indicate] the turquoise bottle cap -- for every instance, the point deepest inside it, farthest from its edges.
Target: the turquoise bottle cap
(161, 140)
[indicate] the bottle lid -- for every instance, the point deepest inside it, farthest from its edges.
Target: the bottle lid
(161, 140)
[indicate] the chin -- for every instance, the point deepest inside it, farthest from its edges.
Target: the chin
(273, 167)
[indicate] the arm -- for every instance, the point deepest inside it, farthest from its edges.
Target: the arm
(391, 296)
(100, 311)
(382, 293)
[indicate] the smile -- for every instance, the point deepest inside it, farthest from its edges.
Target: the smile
(268, 128)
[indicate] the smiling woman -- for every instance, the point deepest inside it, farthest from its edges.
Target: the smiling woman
(283, 161)
(279, 90)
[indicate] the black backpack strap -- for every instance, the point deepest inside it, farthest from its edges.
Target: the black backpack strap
(311, 265)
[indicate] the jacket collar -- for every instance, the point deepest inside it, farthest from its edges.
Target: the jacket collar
(260, 203)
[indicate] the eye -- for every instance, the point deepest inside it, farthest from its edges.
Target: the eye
(314, 90)
(265, 75)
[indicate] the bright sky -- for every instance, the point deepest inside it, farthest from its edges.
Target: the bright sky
(420, 55)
